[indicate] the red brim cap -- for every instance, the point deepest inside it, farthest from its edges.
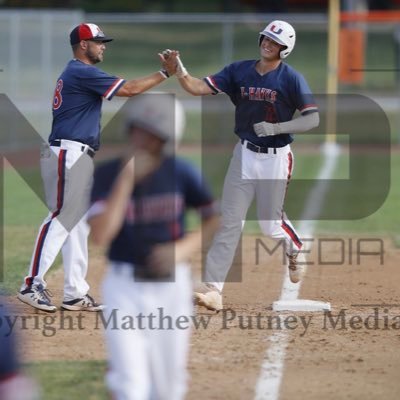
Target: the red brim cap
(88, 32)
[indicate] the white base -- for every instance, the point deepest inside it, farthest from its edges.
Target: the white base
(300, 305)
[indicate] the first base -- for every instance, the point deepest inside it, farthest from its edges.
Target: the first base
(300, 305)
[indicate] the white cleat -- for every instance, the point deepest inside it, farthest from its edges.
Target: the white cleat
(211, 298)
(38, 297)
(86, 303)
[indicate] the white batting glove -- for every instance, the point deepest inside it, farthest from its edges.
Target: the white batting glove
(181, 71)
(266, 129)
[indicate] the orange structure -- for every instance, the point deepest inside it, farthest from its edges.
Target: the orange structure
(353, 43)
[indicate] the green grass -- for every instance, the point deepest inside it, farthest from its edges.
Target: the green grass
(60, 380)
(385, 220)
(23, 207)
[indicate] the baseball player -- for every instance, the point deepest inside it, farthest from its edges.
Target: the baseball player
(138, 211)
(67, 166)
(266, 93)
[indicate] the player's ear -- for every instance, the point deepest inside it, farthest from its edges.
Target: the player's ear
(83, 44)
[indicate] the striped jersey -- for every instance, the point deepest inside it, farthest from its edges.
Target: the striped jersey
(272, 97)
(77, 102)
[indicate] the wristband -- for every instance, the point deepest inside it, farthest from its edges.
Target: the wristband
(164, 73)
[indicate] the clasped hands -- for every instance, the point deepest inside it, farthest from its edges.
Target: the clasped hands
(172, 63)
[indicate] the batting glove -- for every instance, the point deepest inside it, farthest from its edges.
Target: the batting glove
(266, 129)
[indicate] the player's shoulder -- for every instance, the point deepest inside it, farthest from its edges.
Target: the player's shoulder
(288, 69)
(182, 167)
(290, 72)
(242, 65)
(177, 162)
(108, 169)
(81, 69)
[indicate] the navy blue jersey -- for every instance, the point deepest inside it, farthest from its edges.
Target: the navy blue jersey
(77, 102)
(156, 212)
(272, 97)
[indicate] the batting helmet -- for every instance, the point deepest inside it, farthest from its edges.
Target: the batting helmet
(161, 114)
(280, 32)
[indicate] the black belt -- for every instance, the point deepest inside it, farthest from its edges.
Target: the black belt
(85, 149)
(258, 149)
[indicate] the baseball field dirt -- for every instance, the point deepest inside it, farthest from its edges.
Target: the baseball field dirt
(351, 353)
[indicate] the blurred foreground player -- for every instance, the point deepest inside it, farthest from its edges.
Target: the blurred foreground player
(138, 210)
(14, 385)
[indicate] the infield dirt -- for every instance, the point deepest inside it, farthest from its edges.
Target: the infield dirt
(351, 353)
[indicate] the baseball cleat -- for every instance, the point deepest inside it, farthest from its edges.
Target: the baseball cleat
(210, 299)
(296, 267)
(86, 303)
(38, 297)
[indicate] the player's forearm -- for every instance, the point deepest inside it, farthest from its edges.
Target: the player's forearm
(136, 86)
(303, 123)
(297, 125)
(194, 86)
(192, 242)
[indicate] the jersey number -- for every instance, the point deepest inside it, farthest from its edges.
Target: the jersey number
(57, 100)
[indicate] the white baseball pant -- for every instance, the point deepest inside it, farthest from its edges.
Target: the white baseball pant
(67, 173)
(146, 364)
(250, 174)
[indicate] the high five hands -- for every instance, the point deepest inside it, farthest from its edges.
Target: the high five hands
(172, 63)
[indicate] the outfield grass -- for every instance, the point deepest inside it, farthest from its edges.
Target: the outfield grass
(385, 221)
(61, 380)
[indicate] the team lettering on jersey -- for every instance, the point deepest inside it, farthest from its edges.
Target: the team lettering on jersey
(258, 94)
(155, 208)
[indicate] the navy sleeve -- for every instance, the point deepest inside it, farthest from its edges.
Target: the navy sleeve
(303, 97)
(101, 83)
(196, 191)
(222, 81)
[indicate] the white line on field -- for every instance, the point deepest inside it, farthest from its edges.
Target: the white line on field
(269, 381)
